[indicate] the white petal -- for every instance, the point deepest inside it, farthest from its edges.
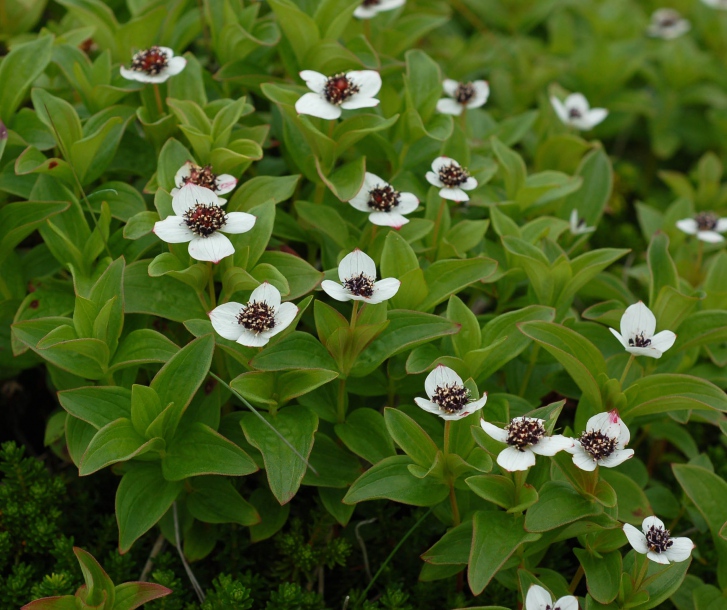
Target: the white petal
(428, 406)
(721, 225)
(190, 195)
(688, 225)
(658, 557)
(335, 290)
(314, 80)
(173, 230)
(225, 183)
(363, 12)
(239, 222)
(129, 74)
(266, 293)
(433, 179)
(663, 341)
(183, 172)
(577, 102)
(499, 434)
(284, 316)
(388, 5)
(550, 445)
(357, 101)
(169, 52)
(582, 459)
(455, 194)
(356, 263)
(408, 202)
(616, 334)
(441, 162)
(644, 351)
(650, 522)
(213, 248)
(711, 237)
(680, 550)
(450, 86)
(175, 65)
(569, 602)
(314, 105)
(596, 116)
(360, 200)
(474, 406)
(447, 105)
(469, 184)
(440, 376)
(618, 457)
(637, 319)
(635, 538)
(372, 181)
(482, 93)
(224, 320)
(513, 459)
(367, 81)
(251, 339)
(384, 290)
(560, 109)
(388, 219)
(537, 598)
(143, 77)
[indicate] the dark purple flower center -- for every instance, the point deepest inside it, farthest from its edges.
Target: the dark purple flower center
(464, 92)
(574, 113)
(597, 444)
(368, 3)
(453, 175)
(339, 88)
(204, 219)
(658, 540)
(202, 176)
(360, 285)
(257, 316)
(706, 221)
(524, 432)
(452, 397)
(151, 61)
(639, 340)
(383, 199)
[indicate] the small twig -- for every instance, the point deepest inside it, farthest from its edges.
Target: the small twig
(155, 550)
(345, 602)
(267, 423)
(362, 544)
(187, 569)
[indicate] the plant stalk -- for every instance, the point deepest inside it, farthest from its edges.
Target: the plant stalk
(626, 369)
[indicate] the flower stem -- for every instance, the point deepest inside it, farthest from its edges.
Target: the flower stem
(211, 286)
(438, 222)
(642, 572)
(354, 315)
(341, 410)
(576, 580)
(626, 369)
(373, 235)
(158, 96)
(463, 121)
(452, 494)
(519, 478)
(367, 29)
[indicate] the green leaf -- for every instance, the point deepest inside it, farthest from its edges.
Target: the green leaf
(495, 537)
(660, 393)
(215, 500)
(283, 467)
(448, 277)
(261, 189)
(411, 437)
(577, 354)
(397, 257)
(558, 505)
(663, 271)
(99, 587)
(390, 479)
(180, 378)
(325, 219)
(501, 490)
(18, 71)
(18, 220)
(335, 466)
(591, 199)
(143, 346)
(145, 407)
(364, 433)
(453, 548)
(199, 450)
(137, 510)
(512, 167)
(302, 276)
(60, 117)
(298, 350)
(660, 582)
(347, 180)
(99, 406)
(603, 574)
(116, 442)
(65, 602)
(274, 516)
(132, 595)
(299, 28)
(632, 501)
(469, 336)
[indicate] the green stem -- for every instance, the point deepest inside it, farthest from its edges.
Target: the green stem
(452, 494)
(576, 580)
(626, 369)
(373, 236)
(519, 478)
(463, 121)
(529, 370)
(211, 286)
(367, 29)
(158, 96)
(341, 410)
(354, 315)
(438, 222)
(642, 572)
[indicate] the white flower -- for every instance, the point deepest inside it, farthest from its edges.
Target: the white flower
(539, 599)
(578, 225)
(525, 437)
(357, 272)
(199, 220)
(451, 178)
(254, 324)
(576, 112)
(706, 226)
(154, 65)
(637, 332)
(370, 8)
(656, 542)
(346, 91)
(385, 205)
(720, 4)
(191, 173)
(666, 23)
(463, 95)
(602, 443)
(448, 397)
